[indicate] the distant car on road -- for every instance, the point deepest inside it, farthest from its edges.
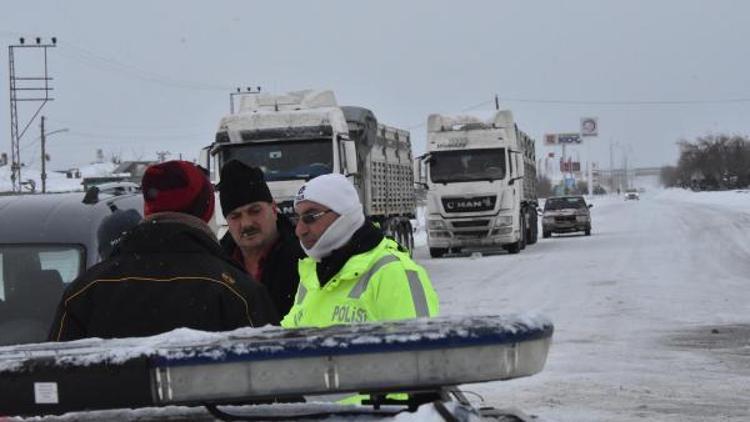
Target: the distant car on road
(632, 194)
(46, 241)
(565, 214)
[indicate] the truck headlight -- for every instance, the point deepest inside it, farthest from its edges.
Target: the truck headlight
(436, 224)
(504, 220)
(548, 219)
(582, 218)
(502, 231)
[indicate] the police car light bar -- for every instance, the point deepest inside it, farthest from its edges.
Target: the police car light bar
(251, 365)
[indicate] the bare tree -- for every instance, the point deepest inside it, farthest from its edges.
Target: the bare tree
(711, 162)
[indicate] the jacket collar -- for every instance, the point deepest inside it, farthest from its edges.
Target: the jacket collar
(354, 268)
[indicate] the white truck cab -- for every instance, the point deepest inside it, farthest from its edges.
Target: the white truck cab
(300, 135)
(480, 178)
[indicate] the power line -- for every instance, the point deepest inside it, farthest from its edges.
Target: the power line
(103, 136)
(628, 102)
(93, 59)
(601, 102)
(95, 125)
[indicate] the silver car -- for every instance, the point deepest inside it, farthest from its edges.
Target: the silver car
(566, 214)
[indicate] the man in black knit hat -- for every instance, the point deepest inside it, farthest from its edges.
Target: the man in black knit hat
(260, 239)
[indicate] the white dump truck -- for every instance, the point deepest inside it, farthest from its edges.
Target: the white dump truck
(300, 135)
(480, 177)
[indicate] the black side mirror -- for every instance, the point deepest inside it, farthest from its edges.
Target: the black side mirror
(591, 205)
(513, 180)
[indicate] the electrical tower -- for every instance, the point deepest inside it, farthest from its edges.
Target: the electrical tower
(33, 89)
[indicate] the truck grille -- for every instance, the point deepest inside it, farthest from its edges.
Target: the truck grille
(470, 223)
(469, 204)
(473, 234)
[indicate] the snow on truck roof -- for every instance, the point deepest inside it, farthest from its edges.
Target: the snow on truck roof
(443, 123)
(295, 100)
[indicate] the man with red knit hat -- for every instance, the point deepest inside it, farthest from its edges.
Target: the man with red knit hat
(167, 272)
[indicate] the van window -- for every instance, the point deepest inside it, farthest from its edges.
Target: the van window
(32, 281)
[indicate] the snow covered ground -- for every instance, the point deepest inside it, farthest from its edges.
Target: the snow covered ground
(651, 313)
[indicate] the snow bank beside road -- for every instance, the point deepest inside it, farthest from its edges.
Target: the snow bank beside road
(738, 200)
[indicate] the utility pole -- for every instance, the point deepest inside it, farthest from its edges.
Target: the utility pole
(44, 160)
(45, 157)
(38, 83)
(611, 169)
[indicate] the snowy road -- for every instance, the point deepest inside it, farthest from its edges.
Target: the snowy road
(652, 312)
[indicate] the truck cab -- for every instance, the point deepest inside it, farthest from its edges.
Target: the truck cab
(300, 135)
(480, 180)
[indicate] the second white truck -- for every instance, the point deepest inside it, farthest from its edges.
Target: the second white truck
(480, 177)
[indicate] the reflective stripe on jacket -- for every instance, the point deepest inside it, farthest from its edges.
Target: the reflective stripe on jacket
(378, 285)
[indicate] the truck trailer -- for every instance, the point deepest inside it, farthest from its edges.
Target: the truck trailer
(480, 177)
(297, 136)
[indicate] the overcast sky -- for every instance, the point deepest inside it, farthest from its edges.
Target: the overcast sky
(136, 77)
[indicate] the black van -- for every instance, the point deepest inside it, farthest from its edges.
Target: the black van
(46, 241)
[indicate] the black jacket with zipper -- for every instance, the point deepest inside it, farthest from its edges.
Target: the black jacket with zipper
(168, 272)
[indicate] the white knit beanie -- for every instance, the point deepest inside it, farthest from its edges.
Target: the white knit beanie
(337, 193)
(331, 190)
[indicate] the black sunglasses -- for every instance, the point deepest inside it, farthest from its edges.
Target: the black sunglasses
(309, 218)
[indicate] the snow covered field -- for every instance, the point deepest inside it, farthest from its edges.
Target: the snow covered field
(56, 182)
(651, 313)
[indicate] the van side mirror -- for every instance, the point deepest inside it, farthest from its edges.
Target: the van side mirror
(204, 160)
(350, 157)
(591, 205)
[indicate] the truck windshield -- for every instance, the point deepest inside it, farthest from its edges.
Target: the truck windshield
(32, 280)
(467, 165)
(285, 160)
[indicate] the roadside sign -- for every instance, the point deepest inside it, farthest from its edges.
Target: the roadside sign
(552, 139)
(569, 138)
(589, 126)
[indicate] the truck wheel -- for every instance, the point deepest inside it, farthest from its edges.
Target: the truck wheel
(546, 234)
(522, 240)
(437, 252)
(513, 248)
(533, 229)
(408, 237)
(587, 232)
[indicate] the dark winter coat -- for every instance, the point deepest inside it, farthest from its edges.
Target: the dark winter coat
(279, 275)
(167, 272)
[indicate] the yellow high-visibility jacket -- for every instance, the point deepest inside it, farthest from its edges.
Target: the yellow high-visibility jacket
(381, 284)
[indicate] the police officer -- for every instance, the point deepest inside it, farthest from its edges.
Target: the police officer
(352, 274)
